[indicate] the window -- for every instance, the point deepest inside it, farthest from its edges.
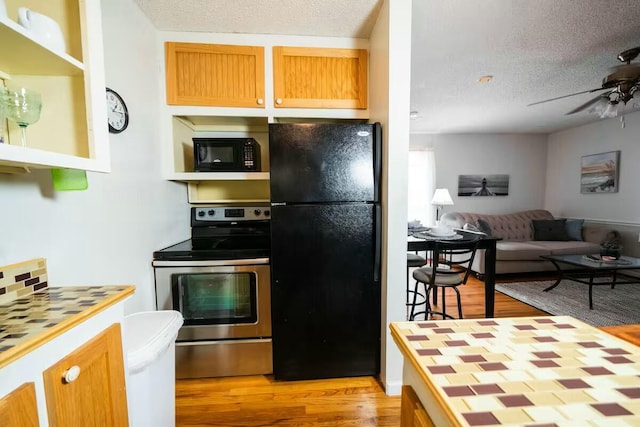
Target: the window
(422, 184)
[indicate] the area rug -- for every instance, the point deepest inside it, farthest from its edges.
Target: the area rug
(617, 306)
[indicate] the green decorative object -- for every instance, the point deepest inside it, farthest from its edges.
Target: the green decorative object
(69, 179)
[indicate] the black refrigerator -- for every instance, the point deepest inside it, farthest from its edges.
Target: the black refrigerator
(325, 249)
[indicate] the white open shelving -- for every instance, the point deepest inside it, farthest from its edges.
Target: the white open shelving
(26, 55)
(71, 84)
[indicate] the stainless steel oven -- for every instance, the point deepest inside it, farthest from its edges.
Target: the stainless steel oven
(220, 281)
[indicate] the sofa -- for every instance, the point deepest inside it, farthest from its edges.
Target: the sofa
(524, 237)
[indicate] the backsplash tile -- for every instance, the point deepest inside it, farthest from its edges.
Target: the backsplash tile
(21, 279)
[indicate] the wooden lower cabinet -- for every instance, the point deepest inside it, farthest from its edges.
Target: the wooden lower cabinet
(87, 387)
(412, 413)
(18, 408)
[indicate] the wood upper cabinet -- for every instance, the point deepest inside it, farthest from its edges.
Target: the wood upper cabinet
(18, 408)
(214, 75)
(87, 387)
(308, 77)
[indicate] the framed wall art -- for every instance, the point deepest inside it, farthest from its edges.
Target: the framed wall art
(599, 173)
(483, 185)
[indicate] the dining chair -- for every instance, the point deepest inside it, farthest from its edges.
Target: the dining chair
(413, 261)
(449, 268)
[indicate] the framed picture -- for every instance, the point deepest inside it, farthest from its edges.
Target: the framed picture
(599, 173)
(483, 185)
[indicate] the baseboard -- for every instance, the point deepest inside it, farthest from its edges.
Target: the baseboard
(393, 388)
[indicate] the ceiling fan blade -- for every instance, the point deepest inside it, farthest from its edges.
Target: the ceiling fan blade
(566, 96)
(590, 103)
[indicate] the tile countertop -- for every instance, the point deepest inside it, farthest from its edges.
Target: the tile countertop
(30, 321)
(542, 371)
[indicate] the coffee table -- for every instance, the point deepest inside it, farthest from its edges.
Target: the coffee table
(589, 267)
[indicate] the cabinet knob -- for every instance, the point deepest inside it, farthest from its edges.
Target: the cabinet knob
(278, 101)
(72, 374)
(260, 101)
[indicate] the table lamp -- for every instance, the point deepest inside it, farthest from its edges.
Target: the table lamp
(440, 198)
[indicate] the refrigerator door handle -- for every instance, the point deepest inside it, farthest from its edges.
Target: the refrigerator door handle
(377, 160)
(378, 242)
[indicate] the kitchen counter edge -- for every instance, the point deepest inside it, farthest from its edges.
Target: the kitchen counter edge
(49, 334)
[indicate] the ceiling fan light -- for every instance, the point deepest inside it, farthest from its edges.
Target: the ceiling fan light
(610, 111)
(599, 107)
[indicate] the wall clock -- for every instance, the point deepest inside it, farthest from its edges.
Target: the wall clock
(117, 113)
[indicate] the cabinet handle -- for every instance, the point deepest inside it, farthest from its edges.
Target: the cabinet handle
(260, 101)
(72, 374)
(278, 101)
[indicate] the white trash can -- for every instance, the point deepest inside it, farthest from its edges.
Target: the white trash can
(149, 345)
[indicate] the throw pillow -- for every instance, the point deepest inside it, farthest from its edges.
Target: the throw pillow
(574, 229)
(484, 226)
(549, 229)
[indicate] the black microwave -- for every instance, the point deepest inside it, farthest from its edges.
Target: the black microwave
(226, 155)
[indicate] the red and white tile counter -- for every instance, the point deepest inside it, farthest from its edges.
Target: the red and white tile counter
(542, 371)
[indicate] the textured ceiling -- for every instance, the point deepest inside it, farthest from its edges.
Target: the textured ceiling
(332, 18)
(535, 49)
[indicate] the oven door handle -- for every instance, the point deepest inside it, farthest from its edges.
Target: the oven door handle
(210, 263)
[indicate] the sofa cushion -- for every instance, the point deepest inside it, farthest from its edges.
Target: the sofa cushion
(595, 233)
(554, 229)
(569, 247)
(574, 229)
(509, 250)
(513, 226)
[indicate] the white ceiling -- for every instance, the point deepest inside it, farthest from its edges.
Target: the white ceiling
(535, 49)
(331, 18)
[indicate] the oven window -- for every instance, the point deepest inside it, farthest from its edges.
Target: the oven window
(215, 298)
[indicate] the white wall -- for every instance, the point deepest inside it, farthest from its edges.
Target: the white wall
(522, 157)
(390, 55)
(566, 148)
(106, 234)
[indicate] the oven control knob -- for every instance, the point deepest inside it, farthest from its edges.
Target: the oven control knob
(200, 213)
(257, 212)
(267, 213)
(211, 212)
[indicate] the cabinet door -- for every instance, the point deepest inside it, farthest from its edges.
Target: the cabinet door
(421, 419)
(18, 408)
(306, 77)
(214, 75)
(96, 398)
(412, 413)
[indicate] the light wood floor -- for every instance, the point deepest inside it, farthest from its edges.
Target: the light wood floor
(354, 402)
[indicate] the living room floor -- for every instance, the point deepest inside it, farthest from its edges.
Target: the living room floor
(262, 401)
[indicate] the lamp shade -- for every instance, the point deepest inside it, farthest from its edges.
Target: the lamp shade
(441, 197)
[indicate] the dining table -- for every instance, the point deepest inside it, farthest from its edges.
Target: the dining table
(422, 241)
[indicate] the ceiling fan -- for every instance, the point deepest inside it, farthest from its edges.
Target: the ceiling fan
(621, 84)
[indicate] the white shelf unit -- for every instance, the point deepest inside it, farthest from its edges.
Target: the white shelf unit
(186, 127)
(71, 131)
(30, 56)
